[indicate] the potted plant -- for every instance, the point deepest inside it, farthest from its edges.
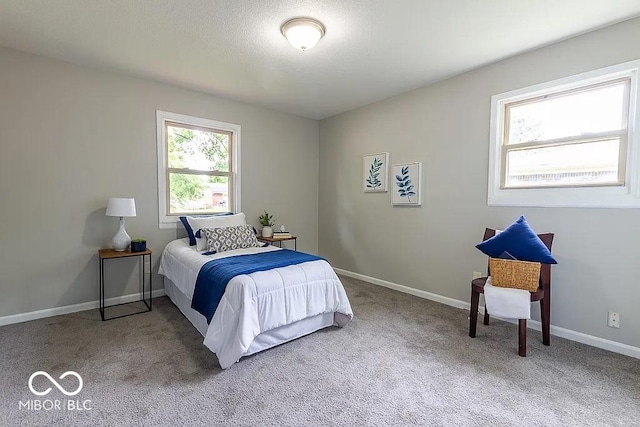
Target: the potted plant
(138, 245)
(267, 222)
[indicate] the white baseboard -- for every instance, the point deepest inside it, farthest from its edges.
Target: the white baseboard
(407, 290)
(56, 311)
(591, 340)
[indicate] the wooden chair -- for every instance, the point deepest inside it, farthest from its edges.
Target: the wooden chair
(542, 294)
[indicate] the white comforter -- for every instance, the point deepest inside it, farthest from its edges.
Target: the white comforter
(257, 302)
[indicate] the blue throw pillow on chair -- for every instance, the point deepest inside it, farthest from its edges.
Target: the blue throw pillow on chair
(520, 241)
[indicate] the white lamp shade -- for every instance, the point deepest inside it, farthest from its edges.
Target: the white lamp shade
(303, 33)
(118, 206)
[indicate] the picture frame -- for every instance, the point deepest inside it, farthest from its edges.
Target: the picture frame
(407, 184)
(375, 173)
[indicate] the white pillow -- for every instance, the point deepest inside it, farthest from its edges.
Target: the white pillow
(198, 223)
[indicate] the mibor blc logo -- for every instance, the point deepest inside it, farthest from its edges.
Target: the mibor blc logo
(55, 404)
(55, 383)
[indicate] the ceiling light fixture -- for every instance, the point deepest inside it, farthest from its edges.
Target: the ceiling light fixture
(303, 33)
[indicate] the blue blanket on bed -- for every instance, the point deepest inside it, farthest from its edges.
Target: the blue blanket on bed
(215, 275)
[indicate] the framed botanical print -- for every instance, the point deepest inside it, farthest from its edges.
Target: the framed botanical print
(407, 179)
(375, 173)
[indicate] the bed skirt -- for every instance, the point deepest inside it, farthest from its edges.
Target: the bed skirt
(264, 340)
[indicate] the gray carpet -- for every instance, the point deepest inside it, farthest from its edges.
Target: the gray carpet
(402, 361)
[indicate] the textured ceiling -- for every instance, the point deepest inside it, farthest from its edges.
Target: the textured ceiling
(373, 49)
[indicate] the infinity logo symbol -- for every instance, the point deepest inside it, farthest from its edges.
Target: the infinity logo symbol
(55, 383)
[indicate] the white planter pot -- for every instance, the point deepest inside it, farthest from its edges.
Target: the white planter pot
(267, 231)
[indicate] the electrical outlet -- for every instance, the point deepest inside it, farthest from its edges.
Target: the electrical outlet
(614, 320)
(147, 267)
(476, 275)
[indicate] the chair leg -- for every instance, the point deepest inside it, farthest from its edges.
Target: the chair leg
(522, 337)
(486, 314)
(473, 316)
(545, 315)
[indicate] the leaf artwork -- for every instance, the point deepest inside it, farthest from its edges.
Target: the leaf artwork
(373, 181)
(405, 187)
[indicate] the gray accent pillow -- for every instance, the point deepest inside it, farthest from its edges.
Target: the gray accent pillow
(221, 239)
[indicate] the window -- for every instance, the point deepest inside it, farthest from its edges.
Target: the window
(198, 167)
(570, 142)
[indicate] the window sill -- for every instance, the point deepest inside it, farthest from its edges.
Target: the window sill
(169, 224)
(592, 197)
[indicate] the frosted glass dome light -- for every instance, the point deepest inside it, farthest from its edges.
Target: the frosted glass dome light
(303, 33)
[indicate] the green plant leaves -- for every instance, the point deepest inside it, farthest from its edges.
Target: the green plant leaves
(266, 220)
(373, 181)
(404, 184)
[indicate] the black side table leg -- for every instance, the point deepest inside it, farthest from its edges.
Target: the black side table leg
(144, 268)
(102, 289)
(150, 284)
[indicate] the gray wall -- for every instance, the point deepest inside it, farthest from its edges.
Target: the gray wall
(446, 126)
(71, 137)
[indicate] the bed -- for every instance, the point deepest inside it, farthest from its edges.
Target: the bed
(259, 310)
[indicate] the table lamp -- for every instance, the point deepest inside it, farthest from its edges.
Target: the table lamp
(121, 207)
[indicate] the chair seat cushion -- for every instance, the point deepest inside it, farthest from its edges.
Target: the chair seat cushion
(520, 241)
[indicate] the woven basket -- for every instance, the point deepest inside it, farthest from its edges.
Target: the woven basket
(507, 273)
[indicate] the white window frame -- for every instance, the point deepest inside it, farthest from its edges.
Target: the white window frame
(162, 117)
(597, 196)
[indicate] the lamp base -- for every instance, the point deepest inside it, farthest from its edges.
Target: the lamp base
(121, 240)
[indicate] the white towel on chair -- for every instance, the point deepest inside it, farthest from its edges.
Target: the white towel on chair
(507, 303)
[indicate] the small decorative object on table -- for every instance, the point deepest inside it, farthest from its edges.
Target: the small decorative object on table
(138, 245)
(267, 222)
(282, 234)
